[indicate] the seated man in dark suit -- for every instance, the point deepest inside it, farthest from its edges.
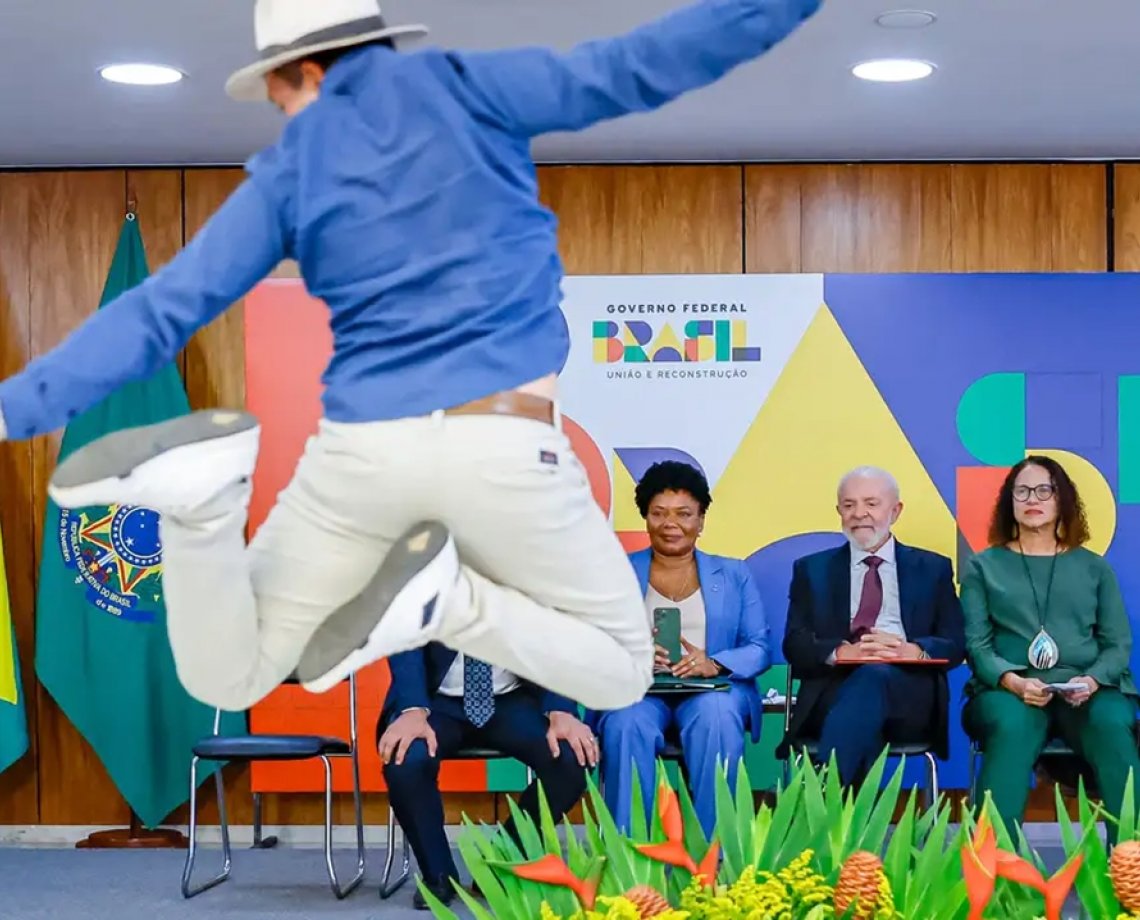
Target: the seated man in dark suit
(440, 702)
(870, 598)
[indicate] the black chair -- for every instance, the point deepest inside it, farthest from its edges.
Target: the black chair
(906, 749)
(388, 885)
(249, 748)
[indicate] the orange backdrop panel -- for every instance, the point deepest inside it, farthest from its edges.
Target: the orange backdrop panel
(287, 345)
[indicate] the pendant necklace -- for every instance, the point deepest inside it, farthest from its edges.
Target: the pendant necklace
(1043, 651)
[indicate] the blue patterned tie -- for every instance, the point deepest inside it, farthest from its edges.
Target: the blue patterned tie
(478, 692)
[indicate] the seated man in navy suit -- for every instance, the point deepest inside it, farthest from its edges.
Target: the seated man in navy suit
(875, 598)
(440, 702)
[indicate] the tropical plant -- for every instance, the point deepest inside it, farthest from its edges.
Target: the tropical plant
(820, 853)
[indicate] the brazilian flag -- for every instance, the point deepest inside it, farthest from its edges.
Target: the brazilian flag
(102, 650)
(13, 715)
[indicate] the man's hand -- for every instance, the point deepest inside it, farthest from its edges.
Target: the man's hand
(1029, 690)
(878, 644)
(565, 726)
(695, 663)
(406, 728)
(1080, 697)
(661, 662)
(847, 652)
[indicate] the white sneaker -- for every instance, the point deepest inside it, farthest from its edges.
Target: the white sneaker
(401, 608)
(175, 465)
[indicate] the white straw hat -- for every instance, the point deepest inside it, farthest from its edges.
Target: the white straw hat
(287, 30)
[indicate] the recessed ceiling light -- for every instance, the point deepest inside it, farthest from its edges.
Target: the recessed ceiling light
(905, 19)
(893, 70)
(141, 74)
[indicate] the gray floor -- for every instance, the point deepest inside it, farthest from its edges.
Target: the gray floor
(61, 884)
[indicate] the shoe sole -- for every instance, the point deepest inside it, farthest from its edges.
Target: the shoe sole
(112, 460)
(363, 631)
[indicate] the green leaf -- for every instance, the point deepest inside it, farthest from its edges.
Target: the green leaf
(498, 894)
(1093, 883)
(638, 825)
(532, 843)
(897, 861)
(745, 810)
(732, 845)
(874, 829)
(865, 803)
(613, 845)
(1126, 829)
(546, 821)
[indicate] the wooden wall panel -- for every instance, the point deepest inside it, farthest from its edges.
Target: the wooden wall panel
(75, 219)
(646, 219)
(894, 218)
(1126, 207)
(19, 803)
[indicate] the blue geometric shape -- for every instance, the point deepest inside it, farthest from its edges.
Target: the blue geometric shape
(771, 568)
(1064, 411)
(639, 459)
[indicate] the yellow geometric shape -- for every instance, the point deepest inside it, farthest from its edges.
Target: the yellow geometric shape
(626, 515)
(823, 417)
(1095, 492)
(9, 691)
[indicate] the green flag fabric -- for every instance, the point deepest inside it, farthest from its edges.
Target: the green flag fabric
(102, 650)
(13, 716)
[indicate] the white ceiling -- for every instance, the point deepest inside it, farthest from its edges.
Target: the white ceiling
(1016, 79)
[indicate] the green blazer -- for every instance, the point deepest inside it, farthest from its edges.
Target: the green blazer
(1004, 607)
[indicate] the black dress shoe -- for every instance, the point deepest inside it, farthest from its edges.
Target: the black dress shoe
(442, 889)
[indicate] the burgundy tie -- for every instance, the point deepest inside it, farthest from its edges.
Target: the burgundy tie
(872, 600)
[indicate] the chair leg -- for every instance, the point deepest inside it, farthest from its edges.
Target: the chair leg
(388, 885)
(932, 765)
(192, 850)
(334, 882)
(259, 842)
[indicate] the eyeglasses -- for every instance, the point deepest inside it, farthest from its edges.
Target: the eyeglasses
(1044, 492)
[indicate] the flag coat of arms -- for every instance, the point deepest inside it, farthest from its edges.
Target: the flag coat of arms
(102, 650)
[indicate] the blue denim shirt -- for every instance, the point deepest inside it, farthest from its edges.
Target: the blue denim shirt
(408, 196)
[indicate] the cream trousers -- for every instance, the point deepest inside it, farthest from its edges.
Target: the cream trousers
(549, 594)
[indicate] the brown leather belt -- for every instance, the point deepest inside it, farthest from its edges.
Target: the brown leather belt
(509, 402)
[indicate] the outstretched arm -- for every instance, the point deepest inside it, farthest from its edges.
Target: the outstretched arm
(531, 91)
(135, 335)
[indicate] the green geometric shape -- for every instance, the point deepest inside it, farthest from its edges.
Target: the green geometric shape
(1128, 435)
(505, 776)
(635, 354)
(991, 419)
(764, 770)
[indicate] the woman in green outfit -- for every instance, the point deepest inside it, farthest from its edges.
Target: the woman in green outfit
(1042, 610)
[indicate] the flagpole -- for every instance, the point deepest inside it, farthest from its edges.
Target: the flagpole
(135, 836)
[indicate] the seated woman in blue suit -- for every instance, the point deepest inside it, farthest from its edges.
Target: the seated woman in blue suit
(724, 634)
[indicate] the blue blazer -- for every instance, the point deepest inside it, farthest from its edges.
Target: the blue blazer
(736, 628)
(417, 675)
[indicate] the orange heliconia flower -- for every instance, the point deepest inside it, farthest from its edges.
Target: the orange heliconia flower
(672, 851)
(983, 863)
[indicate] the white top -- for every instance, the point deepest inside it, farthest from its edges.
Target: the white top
(693, 624)
(502, 681)
(890, 615)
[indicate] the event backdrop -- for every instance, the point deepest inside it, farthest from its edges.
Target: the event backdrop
(775, 385)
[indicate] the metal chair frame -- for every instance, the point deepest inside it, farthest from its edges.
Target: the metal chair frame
(388, 885)
(893, 750)
(341, 891)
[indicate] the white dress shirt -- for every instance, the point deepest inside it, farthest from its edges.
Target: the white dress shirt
(890, 614)
(502, 681)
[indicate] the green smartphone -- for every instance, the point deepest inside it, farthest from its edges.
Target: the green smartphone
(667, 631)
